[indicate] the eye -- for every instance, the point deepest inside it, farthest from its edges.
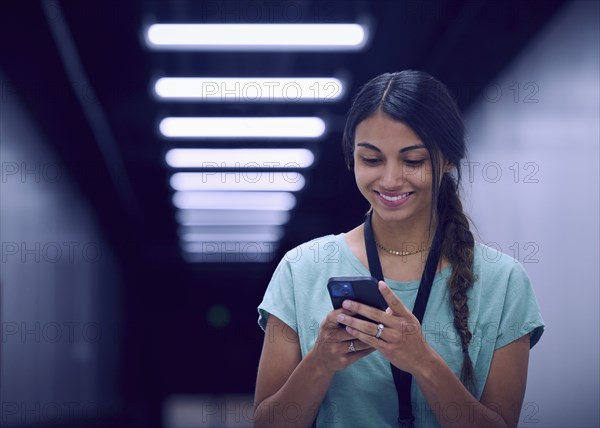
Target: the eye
(370, 161)
(414, 162)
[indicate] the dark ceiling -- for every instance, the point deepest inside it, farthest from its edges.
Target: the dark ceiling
(463, 43)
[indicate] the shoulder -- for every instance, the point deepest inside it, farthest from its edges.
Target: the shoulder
(498, 273)
(506, 296)
(492, 260)
(299, 266)
(316, 260)
(314, 251)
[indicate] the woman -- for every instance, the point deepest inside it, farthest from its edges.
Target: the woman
(465, 363)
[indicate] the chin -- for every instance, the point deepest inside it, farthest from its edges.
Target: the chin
(391, 215)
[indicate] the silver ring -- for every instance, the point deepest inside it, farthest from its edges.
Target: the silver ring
(351, 347)
(380, 328)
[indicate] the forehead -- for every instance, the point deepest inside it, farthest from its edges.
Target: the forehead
(383, 131)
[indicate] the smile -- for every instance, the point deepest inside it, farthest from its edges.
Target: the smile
(393, 200)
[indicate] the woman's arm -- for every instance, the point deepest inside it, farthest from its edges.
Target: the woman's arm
(289, 389)
(502, 396)
(506, 381)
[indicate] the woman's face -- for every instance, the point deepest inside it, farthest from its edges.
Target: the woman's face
(393, 170)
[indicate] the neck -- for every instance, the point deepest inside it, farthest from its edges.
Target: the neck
(403, 235)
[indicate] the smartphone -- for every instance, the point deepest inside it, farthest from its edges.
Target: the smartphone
(361, 289)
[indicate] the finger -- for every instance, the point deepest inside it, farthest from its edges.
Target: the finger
(365, 310)
(394, 303)
(330, 322)
(361, 325)
(330, 318)
(359, 345)
(366, 338)
(333, 331)
(338, 335)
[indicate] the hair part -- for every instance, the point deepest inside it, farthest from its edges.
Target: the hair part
(423, 103)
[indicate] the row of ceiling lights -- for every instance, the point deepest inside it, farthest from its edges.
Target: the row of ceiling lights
(235, 203)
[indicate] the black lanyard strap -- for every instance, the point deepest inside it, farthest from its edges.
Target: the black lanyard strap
(403, 379)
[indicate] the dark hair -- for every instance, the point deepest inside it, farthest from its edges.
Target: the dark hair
(425, 105)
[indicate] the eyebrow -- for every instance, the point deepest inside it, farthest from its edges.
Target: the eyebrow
(405, 149)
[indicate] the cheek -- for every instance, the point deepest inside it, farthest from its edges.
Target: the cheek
(421, 178)
(362, 183)
(420, 181)
(362, 176)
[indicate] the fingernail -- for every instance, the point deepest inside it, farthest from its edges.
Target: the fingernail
(347, 304)
(381, 285)
(341, 318)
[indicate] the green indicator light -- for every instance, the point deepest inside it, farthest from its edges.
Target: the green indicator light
(218, 316)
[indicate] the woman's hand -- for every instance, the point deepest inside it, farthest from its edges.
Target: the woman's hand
(400, 341)
(335, 348)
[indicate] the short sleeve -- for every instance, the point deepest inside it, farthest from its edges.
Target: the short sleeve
(521, 313)
(279, 298)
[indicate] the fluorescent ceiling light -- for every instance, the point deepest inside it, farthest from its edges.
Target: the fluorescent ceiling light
(242, 127)
(228, 247)
(276, 231)
(251, 89)
(234, 217)
(257, 37)
(229, 252)
(230, 237)
(240, 158)
(238, 181)
(277, 201)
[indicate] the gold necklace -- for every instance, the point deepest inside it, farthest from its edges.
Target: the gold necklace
(400, 253)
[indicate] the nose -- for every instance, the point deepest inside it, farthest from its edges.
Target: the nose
(394, 175)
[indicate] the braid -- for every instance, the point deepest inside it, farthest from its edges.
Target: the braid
(457, 247)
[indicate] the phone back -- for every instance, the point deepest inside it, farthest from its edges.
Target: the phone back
(361, 289)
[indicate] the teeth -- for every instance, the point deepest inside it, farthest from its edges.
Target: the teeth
(394, 198)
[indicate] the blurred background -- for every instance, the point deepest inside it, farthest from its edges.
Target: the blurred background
(136, 242)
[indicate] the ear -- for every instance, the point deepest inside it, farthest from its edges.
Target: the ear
(448, 166)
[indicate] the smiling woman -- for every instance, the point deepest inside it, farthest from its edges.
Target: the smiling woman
(457, 340)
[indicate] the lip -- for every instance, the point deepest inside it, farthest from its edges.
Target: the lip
(394, 203)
